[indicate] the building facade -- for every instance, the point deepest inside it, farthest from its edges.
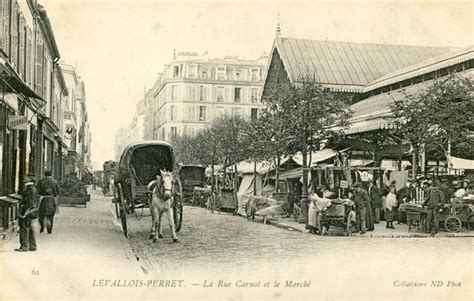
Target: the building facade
(193, 91)
(32, 91)
(76, 130)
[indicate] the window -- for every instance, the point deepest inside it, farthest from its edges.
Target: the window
(191, 93)
(202, 93)
(253, 114)
(175, 71)
(174, 132)
(237, 94)
(220, 94)
(254, 95)
(172, 113)
(192, 73)
(221, 73)
(204, 74)
(238, 74)
(202, 113)
(255, 74)
(219, 112)
(174, 92)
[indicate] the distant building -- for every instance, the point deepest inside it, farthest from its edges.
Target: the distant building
(193, 91)
(76, 130)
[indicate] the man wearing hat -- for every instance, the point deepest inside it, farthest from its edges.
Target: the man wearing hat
(27, 212)
(48, 189)
(434, 201)
(361, 198)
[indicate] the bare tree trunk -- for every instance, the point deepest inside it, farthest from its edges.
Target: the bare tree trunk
(414, 163)
(255, 178)
(303, 218)
(277, 174)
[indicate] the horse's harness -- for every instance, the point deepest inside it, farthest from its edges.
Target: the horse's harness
(160, 188)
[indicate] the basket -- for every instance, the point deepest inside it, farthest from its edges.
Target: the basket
(336, 210)
(413, 216)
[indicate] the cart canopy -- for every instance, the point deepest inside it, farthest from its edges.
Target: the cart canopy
(142, 161)
(192, 175)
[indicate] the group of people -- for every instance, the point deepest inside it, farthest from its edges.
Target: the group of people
(39, 201)
(371, 202)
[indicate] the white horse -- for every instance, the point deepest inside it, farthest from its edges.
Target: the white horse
(160, 203)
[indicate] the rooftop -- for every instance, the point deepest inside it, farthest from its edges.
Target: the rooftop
(347, 64)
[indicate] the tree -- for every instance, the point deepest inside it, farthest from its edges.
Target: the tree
(441, 117)
(309, 114)
(185, 149)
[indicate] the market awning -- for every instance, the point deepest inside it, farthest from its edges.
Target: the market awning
(316, 157)
(458, 163)
(13, 81)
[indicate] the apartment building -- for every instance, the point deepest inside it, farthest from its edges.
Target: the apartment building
(194, 90)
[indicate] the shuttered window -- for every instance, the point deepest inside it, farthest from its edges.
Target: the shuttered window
(202, 93)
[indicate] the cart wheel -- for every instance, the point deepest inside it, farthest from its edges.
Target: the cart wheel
(117, 204)
(348, 226)
(178, 215)
(470, 222)
(123, 210)
(452, 224)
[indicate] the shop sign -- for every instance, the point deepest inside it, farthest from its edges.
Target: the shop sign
(17, 122)
(344, 184)
(48, 132)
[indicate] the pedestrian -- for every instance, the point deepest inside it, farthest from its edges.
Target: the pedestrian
(48, 189)
(375, 195)
(27, 212)
(404, 195)
(361, 199)
(434, 202)
(390, 206)
(318, 203)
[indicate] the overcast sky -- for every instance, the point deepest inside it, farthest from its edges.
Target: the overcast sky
(120, 46)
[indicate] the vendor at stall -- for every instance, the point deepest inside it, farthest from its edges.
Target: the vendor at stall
(434, 202)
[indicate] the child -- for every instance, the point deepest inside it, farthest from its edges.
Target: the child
(390, 205)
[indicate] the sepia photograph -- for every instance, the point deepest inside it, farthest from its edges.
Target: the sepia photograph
(236, 150)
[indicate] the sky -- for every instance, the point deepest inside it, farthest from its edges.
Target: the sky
(120, 46)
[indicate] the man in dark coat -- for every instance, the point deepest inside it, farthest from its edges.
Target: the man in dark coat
(48, 189)
(434, 201)
(26, 213)
(361, 199)
(375, 195)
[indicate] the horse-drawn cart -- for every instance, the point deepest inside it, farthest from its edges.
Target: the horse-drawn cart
(139, 164)
(191, 176)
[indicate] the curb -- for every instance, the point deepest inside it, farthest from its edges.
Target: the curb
(126, 244)
(408, 235)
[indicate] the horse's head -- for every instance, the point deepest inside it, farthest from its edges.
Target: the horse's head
(167, 183)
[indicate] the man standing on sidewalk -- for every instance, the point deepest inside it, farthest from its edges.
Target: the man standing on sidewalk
(376, 200)
(27, 212)
(48, 188)
(434, 201)
(361, 199)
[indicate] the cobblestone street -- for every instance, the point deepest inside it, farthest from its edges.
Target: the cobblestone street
(225, 242)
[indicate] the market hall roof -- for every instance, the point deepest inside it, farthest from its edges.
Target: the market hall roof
(347, 66)
(374, 113)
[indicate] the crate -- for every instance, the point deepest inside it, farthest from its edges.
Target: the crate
(336, 210)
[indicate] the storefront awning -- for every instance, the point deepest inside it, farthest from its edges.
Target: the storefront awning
(458, 163)
(13, 81)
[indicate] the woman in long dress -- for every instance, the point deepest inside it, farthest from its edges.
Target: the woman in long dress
(390, 206)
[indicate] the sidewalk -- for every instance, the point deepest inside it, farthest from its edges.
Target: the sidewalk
(86, 245)
(380, 231)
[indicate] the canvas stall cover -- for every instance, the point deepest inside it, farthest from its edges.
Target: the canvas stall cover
(246, 190)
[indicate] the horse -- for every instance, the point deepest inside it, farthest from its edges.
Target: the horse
(160, 202)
